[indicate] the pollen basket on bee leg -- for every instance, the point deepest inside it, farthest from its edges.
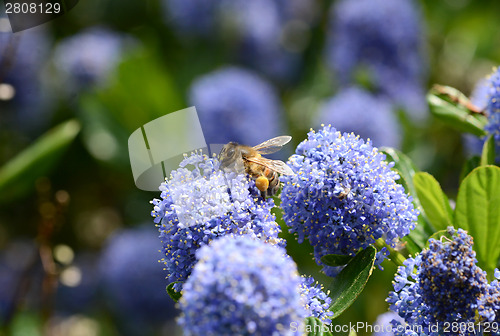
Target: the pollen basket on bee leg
(262, 183)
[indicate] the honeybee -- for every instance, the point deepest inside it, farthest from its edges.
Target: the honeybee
(249, 160)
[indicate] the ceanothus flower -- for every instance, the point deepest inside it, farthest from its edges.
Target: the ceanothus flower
(134, 282)
(235, 104)
(242, 286)
(383, 325)
(441, 284)
(355, 110)
(489, 305)
(202, 204)
(384, 39)
(91, 56)
(344, 196)
(316, 300)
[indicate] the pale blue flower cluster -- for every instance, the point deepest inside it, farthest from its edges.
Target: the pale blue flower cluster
(344, 196)
(203, 203)
(242, 286)
(316, 300)
(235, 104)
(356, 110)
(444, 284)
(383, 38)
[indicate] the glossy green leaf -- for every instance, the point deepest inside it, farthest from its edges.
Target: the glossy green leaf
(456, 116)
(433, 200)
(18, 176)
(469, 165)
(173, 293)
(478, 212)
(351, 281)
(314, 327)
(335, 259)
(488, 153)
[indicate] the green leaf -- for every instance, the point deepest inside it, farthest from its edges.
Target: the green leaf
(314, 327)
(351, 281)
(469, 166)
(18, 176)
(456, 116)
(173, 293)
(433, 200)
(407, 170)
(488, 153)
(335, 259)
(478, 212)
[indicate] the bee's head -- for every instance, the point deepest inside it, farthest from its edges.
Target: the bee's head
(228, 153)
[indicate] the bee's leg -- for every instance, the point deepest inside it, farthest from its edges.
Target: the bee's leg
(263, 194)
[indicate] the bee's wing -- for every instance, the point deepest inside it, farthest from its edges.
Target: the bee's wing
(272, 145)
(276, 165)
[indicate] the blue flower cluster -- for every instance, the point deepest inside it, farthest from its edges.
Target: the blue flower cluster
(232, 101)
(316, 300)
(355, 110)
(443, 284)
(242, 286)
(344, 196)
(134, 281)
(383, 38)
(202, 204)
(90, 57)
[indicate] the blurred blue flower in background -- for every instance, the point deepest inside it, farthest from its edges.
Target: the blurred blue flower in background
(134, 282)
(355, 110)
(344, 196)
(237, 105)
(242, 286)
(202, 204)
(15, 258)
(441, 284)
(383, 326)
(90, 57)
(266, 35)
(78, 287)
(490, 303)
(23, 101)
(486, 95)
(385, 39)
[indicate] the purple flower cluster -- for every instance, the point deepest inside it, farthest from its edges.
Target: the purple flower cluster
(384, 39)
(202, 204)
(444, 284)
(231, 101)
(355, 110)
(344, 196)
(242, 286)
